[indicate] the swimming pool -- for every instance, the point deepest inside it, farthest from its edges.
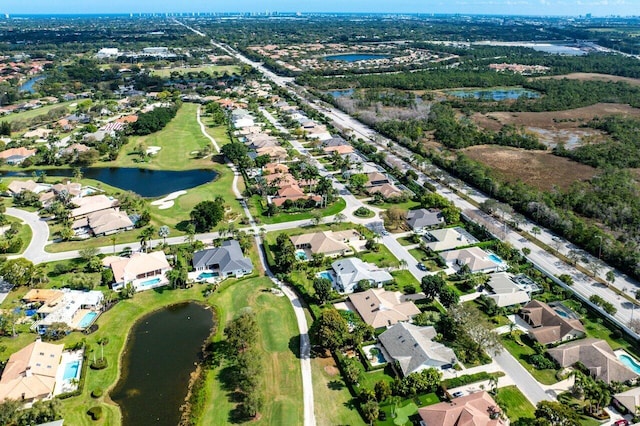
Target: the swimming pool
(562, 313)
(150, 282)
(496, 259)
(71, 370)
(301, 255)
(327, 275)
(87, 320)
(629, 362)
(207, 275)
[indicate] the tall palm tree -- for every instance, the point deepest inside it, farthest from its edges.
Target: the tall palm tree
(163, 232)
(145, 236)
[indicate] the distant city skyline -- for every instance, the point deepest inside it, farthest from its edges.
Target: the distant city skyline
(491, 7)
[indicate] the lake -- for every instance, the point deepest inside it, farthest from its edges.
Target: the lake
(354, 57)
(494, 94)
(27, 86)
(145, 182)
(157, 363)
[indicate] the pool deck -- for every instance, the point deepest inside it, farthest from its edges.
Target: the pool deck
(62, 385)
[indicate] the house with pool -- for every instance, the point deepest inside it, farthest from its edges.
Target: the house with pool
(143, 271)
(75, 308)
(351, 270)
(222, 262)
(551, 324)
(597, 357)
(30, 373)
(475, 258)
(326, 243)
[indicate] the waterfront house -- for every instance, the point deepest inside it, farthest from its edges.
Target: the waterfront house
(224, 261)
(143, 271)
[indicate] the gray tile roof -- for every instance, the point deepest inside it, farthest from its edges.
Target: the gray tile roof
(229, 256)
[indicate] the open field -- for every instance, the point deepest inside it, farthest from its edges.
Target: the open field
(333, 402)
(589, 76)
(26, 115)
(556, 127)
(281, 369)
(539, 169)
(180, 138)
(209, 69)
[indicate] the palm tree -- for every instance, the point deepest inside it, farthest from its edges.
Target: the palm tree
(113, 243)
(403, 264)
(145, 236)
(163, 232)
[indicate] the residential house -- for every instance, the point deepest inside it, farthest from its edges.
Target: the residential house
(39, 133)
(15, 187)
(95, 203)
(549, 326)
(340, 149)
(224, 261)
(376, 179)
(30, 373)
(274, 168)
(387, 191)
(334, 141)
(16, 155)
(476, 409)
(448, 238)
(350, 271)
(475, 258)
(143, 271)
(293, 192)
(127, 119)
(74, 148)
(327, 243)
(422, 219)
(505, 291)
(97, 136)
(381, 308)
(597, 357)
(413, 348)
(629, 399)
(103, 222)
(64, 306)
(277, 153)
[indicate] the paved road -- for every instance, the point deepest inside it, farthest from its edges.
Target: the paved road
(525, 381)
(40, 234)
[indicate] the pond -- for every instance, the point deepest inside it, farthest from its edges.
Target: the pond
(494, 94)
(27, 86)
(355, 57)
(341, 93)
(145, 182)
(157, 363)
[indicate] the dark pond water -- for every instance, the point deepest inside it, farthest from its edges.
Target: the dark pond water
(158, 360)
(354, 57)
(146, 183)
(27, 86)
(494, 94)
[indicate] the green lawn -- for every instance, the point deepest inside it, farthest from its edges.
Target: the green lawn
(26, 115)
(407, 205)
(403, 277)
(278, 327)
(399, 415)
(383, 257)
(209, 69)
(278, 331)
(546, 377)
(178, 140)
(406, 241)
(256, 207)
(514, 403)
(333, 402)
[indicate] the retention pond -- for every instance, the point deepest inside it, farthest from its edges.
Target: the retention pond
(157, 363)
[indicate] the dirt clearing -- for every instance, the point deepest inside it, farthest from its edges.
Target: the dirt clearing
(539, 169)
(587, 76)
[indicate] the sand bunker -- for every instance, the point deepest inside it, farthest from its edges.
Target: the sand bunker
(153, 150)
(167, 202)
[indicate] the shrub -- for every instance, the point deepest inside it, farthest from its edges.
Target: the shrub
(96, 393)
(95, 413)
(99, 364)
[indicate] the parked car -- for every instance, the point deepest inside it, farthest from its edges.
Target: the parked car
(621, 422)
(421, 266)
(457, 394)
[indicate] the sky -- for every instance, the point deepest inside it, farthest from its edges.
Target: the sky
(501, 7)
